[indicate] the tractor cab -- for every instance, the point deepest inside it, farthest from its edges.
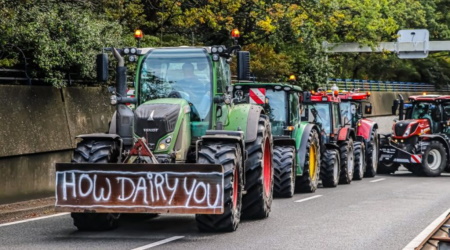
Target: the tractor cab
(280, 101)
(352, 105)
(324, 109)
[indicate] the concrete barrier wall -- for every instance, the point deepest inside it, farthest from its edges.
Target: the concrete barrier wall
(37, 129)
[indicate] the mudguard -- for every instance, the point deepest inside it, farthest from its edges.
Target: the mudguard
(244, 117)
(283, 141)
(301, 139)
(345, 133)
(364, 128)
(444, 139)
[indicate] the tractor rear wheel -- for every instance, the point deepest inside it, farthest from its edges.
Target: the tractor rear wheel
(230, 157)
(434, 159)
(372, 155)
(347, 161)
(257, 201)
(329, 169)
(360, 161)
(309, 181)
(94, 151)
(284, 171)
(387, 168)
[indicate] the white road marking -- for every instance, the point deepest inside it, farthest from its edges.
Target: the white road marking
(419, 238)
(154, 244)
(310, 198)
(377, 180)
(32, 219)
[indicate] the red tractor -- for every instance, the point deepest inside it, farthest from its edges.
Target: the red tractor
(366, 130)
(420, 142)
(341, 150)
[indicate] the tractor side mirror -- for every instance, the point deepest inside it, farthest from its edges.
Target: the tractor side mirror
(306, 97)
(368, 109)
(394, 106)
(243, 65)
(102, 67)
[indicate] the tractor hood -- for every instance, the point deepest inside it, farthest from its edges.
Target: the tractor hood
(407, 128)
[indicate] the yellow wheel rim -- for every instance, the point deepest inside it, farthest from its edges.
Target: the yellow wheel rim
(312, 162)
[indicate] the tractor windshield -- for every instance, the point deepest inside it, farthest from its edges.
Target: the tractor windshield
(178, 73)
(350, 110)
(423, 110)
(323, 116)
(276, 108)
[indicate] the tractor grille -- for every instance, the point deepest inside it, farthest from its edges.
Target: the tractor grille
(153, 121)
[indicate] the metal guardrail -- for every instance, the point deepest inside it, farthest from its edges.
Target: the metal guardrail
(386, 86)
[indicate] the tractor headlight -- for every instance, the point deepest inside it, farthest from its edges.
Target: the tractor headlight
(220, 49)
(214, 49)
(408, 130)
(165, 143)
(215, 57)
(126, 51)
(132, 58)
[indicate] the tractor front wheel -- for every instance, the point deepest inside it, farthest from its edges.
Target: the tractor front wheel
(93, 151)
(309, 181)
(434, 160)
(284, 171)
(257, 201)
(329, 169)
(360, 161)
(230, 157)
(347, 161)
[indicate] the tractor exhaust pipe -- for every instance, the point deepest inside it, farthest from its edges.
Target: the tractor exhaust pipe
(401, 109)
(121, 77)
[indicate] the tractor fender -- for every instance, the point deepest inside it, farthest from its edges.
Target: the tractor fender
(224, 135)
(345, 133)
(99, 136)
(332, 146)
(244, 117)
(364, 128)
(441, 139)
(302, 141)
(283, 141)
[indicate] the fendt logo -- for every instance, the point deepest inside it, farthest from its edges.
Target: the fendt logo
(151, 130)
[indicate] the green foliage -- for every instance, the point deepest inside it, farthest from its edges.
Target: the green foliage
(284, 37)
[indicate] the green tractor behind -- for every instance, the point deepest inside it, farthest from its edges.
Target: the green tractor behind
(186, 148)
(296, 143)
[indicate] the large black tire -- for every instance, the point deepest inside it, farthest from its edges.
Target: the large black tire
(284, 171)
(434, 160)
(387, 168)
(230, 157)
(372, 148)
(330, 168)
(360, 161)
(257, 201)
(95, 151)
(309, 181)
(347, 161)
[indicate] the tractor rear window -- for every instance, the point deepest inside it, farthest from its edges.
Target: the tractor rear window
(276, 109)
(178, 73)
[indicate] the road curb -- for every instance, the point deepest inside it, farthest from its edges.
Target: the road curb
(26, 209)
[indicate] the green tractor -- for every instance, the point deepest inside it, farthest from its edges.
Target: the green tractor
(186, 148)
(296, 144)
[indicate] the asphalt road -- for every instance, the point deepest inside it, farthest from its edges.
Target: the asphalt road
(386, 214)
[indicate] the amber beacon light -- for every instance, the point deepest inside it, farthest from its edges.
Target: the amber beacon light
(235, 33)
(138, 34)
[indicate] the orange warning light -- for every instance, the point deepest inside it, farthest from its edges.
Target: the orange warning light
(138, 34)
(235, 33)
